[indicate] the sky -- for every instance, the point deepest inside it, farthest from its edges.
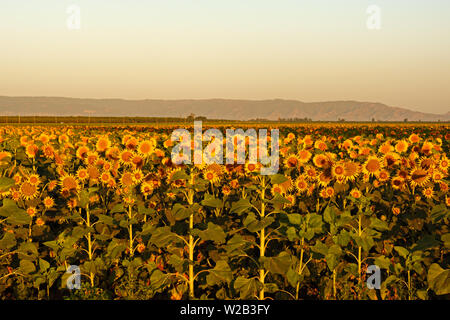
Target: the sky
(307, 50)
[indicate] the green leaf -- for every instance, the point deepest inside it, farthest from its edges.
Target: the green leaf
(378, 224)
(6, 183)
(180, 212)
(295, 218)
(162, 237)
(254, 225)
(320, 249)
(446, 240)
(213, 232)
(383, 262)
(247, 288)
(278, 178)
(84, 198)
(43, 265)
(439, 279)
(329, 215)
(179, 175)
(403, 252)
(8, 241)
(118, 208)
(240, 206)
(211, 201)
(279, 264)
(439, 212)
(26, 266)
(427, 242)
(106, 219)
(220, 273)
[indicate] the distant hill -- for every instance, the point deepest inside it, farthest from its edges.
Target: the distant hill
(213, 109)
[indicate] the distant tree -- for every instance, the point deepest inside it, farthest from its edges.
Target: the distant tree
(405, 120)
(190, 117)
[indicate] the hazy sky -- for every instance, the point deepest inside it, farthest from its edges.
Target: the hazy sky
(309, 50)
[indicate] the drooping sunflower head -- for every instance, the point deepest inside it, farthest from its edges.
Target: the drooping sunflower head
(125, 156)
(291, 161)
(418, 177)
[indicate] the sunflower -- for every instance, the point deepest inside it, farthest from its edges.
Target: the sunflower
(401, 146)
(386, 148)
(146, 147)
(396, 211)
(427, 147)
(48, 151)
(384, 175)
(48, 202)
(93, 173)
(105, 177)
(31, 211)
(211, 176)
(310, 173)
(34, 179)
(82, 174)
(325, 177)
(437, 176)
(372, 166)
(355, 193)
(419, 177)
(291, 161)
(320, 160)
(251, 167)
(126, 180)
(300, 184)
(138, 176)
(31, 150)
(103, 144)
(69, 182)
(126, 156)
(91, 158)
(351, 170)
(291, 199)
(338, 171)
(28, 191)
(428, 192)
(304, 156)
(277, 189)
(146, 189)
(443, 164)
(137, 161)
(414, 138)
(390, 159)
(226, 190)
(82, 152)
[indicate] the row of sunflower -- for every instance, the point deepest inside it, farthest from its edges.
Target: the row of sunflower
(110, 201)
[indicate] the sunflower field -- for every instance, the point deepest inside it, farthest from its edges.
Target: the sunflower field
(109, 200)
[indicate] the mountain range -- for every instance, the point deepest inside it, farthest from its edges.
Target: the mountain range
(213, 109)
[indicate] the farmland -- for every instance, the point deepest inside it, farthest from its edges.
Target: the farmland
(109, 199)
